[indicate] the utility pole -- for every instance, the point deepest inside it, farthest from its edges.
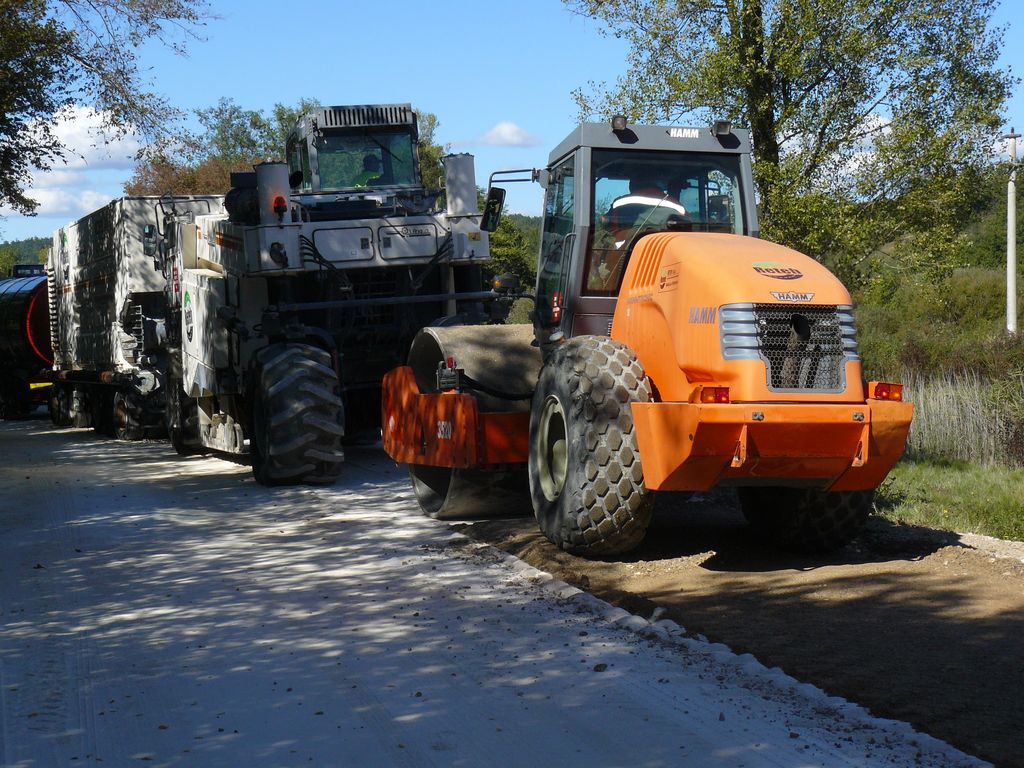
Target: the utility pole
(1011, 235)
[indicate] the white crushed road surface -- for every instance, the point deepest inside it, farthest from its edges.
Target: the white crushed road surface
(158, 611)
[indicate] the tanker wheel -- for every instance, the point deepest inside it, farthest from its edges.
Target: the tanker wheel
(297, 420)
(102, 406)
(185, 410)
(60, 405)
(805, 519)
(127, 416)
(14, 404)
(585, 474)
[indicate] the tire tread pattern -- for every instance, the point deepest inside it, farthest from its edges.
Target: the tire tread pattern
(604, 508)
(302, 416)
(806, 520)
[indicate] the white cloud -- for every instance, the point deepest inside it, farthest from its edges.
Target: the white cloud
(67, 203)
(92, 172)
(90, 146)
(508, 134)
(57, 179)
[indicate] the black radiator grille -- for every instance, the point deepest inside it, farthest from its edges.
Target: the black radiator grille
(802, 347)
(372, 284)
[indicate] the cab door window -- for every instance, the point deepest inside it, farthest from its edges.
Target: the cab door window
(556, 243)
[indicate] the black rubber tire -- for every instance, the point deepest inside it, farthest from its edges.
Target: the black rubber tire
(102, 403)
(127, 416)
(60, 405)
(14, 400)
(805, 519)
(180, 408)
(586, 479)
(297, 418)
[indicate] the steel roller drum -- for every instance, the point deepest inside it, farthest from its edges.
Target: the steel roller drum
(24, 322)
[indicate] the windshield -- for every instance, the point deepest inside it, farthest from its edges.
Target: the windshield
(637, 193)
(366, 159)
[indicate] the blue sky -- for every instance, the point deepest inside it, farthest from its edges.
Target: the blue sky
(499, 76)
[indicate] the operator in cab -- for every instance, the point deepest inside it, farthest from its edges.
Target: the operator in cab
(370, 172)
(647, 208)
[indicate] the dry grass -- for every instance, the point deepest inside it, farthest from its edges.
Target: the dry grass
(964, 418)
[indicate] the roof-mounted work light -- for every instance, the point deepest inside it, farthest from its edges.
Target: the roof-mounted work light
(721, 128)
(619, 123)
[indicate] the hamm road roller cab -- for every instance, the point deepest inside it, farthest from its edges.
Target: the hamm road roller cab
(671, 350)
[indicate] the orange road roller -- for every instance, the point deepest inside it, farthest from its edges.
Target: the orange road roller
(670, 350)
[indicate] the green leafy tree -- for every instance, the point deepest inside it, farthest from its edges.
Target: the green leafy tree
(55, 53)
(510, 252)
(8, 258)
(31, 250)
(201, 162)
(865, 115)
(234, 139)
(430, 152)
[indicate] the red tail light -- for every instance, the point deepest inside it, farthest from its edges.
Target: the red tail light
(884, 390)
(714, 395)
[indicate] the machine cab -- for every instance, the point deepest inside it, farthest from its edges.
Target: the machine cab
(607, 188)
(339, 154)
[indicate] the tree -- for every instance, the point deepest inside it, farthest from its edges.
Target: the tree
(56, 53)
(510, 251)
(8, 258)
(201, 162)
(866, 116)
(430, 152)
(234, 139)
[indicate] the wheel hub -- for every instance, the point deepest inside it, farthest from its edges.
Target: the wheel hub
(553, 449)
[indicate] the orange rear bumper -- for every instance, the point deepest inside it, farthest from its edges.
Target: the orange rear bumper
(692, 447)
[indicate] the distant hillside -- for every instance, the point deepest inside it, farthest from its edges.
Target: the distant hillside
(31, 250)
(26, 251)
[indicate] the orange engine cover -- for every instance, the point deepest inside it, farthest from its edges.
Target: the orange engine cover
(774, 327)
(671, 302)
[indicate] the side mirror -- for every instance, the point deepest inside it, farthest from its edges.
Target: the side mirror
(492, 209)
(149, 245)
(295, 179)
(506, 284)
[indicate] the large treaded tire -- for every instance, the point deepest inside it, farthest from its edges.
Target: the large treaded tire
(181, 419)
(297, 416)
(804, 519)
(586, 479)
(60, 405)
(128, 414)
(102, 402)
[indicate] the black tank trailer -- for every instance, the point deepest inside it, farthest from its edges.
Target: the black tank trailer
(25, 350)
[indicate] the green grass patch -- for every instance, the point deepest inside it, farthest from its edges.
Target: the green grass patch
(955, 496)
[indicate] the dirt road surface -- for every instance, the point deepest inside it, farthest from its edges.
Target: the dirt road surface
(161, 611)
(917, 625)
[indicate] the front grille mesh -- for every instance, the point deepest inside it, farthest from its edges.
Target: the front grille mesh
(373, 284)
(803, 347)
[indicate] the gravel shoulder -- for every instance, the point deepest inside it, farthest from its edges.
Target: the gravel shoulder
(916, 625)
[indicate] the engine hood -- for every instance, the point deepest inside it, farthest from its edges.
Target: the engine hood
(696, 308)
